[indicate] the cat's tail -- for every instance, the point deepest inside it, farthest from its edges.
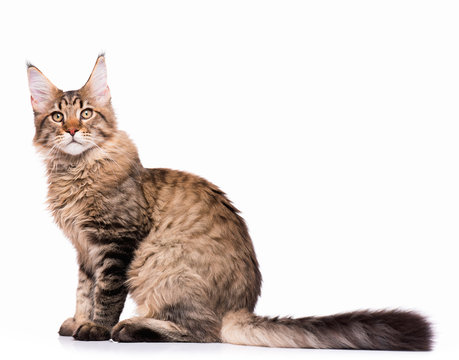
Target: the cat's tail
(371, 330)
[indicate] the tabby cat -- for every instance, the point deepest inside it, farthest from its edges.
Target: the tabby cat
(169, 238)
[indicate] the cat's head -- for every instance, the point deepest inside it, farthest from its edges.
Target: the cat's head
(71, 123)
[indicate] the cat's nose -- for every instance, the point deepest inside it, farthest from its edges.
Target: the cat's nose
(72, 131)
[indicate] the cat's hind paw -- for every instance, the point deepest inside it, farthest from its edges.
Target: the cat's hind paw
(132, 330)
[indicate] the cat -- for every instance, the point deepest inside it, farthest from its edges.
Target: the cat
(170, 239)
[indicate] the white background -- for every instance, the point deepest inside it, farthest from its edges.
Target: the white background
(332, 125)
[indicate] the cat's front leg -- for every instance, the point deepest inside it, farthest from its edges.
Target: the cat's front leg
(84, 305)
(108, 296)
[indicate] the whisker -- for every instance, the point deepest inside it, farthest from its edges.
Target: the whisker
(104, 152)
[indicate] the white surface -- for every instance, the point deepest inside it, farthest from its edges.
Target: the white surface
(332, 125)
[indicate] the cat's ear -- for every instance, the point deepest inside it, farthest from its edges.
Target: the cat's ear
(96, 86)
(42, 91)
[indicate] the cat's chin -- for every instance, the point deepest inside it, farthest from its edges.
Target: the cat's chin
(75, 148)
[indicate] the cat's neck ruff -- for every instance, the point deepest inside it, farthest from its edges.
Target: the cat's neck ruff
(116, 155)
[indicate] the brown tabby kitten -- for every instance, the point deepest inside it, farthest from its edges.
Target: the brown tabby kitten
(171, 239)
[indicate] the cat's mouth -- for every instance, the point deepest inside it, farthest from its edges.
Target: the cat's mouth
(74, 147)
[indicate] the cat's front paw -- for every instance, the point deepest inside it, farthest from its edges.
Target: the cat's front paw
(68, 327)
(88, 331)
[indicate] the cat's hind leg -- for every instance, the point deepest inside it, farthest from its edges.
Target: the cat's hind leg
(139, 329)
(177, 323)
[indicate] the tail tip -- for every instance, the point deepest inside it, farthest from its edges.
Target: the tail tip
(415, 330)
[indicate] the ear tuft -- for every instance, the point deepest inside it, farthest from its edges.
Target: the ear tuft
(42, 91)
(97, 82)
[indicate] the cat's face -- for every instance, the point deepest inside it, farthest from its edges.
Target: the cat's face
(71, 122)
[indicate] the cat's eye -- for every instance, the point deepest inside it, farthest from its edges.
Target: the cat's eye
(86, 114)
(57, 116)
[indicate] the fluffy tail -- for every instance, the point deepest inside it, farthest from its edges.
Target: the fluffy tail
(370, 330)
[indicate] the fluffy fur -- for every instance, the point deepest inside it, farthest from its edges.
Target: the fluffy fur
(171, 239)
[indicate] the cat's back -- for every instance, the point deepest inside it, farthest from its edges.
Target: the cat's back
(182, 202)
(174, 191)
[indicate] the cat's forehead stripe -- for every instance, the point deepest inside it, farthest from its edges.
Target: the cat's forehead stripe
(70, 98)
(63, 99)
(77, 98)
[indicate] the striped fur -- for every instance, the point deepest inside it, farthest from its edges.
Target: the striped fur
(370, 330)
(171, 239)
